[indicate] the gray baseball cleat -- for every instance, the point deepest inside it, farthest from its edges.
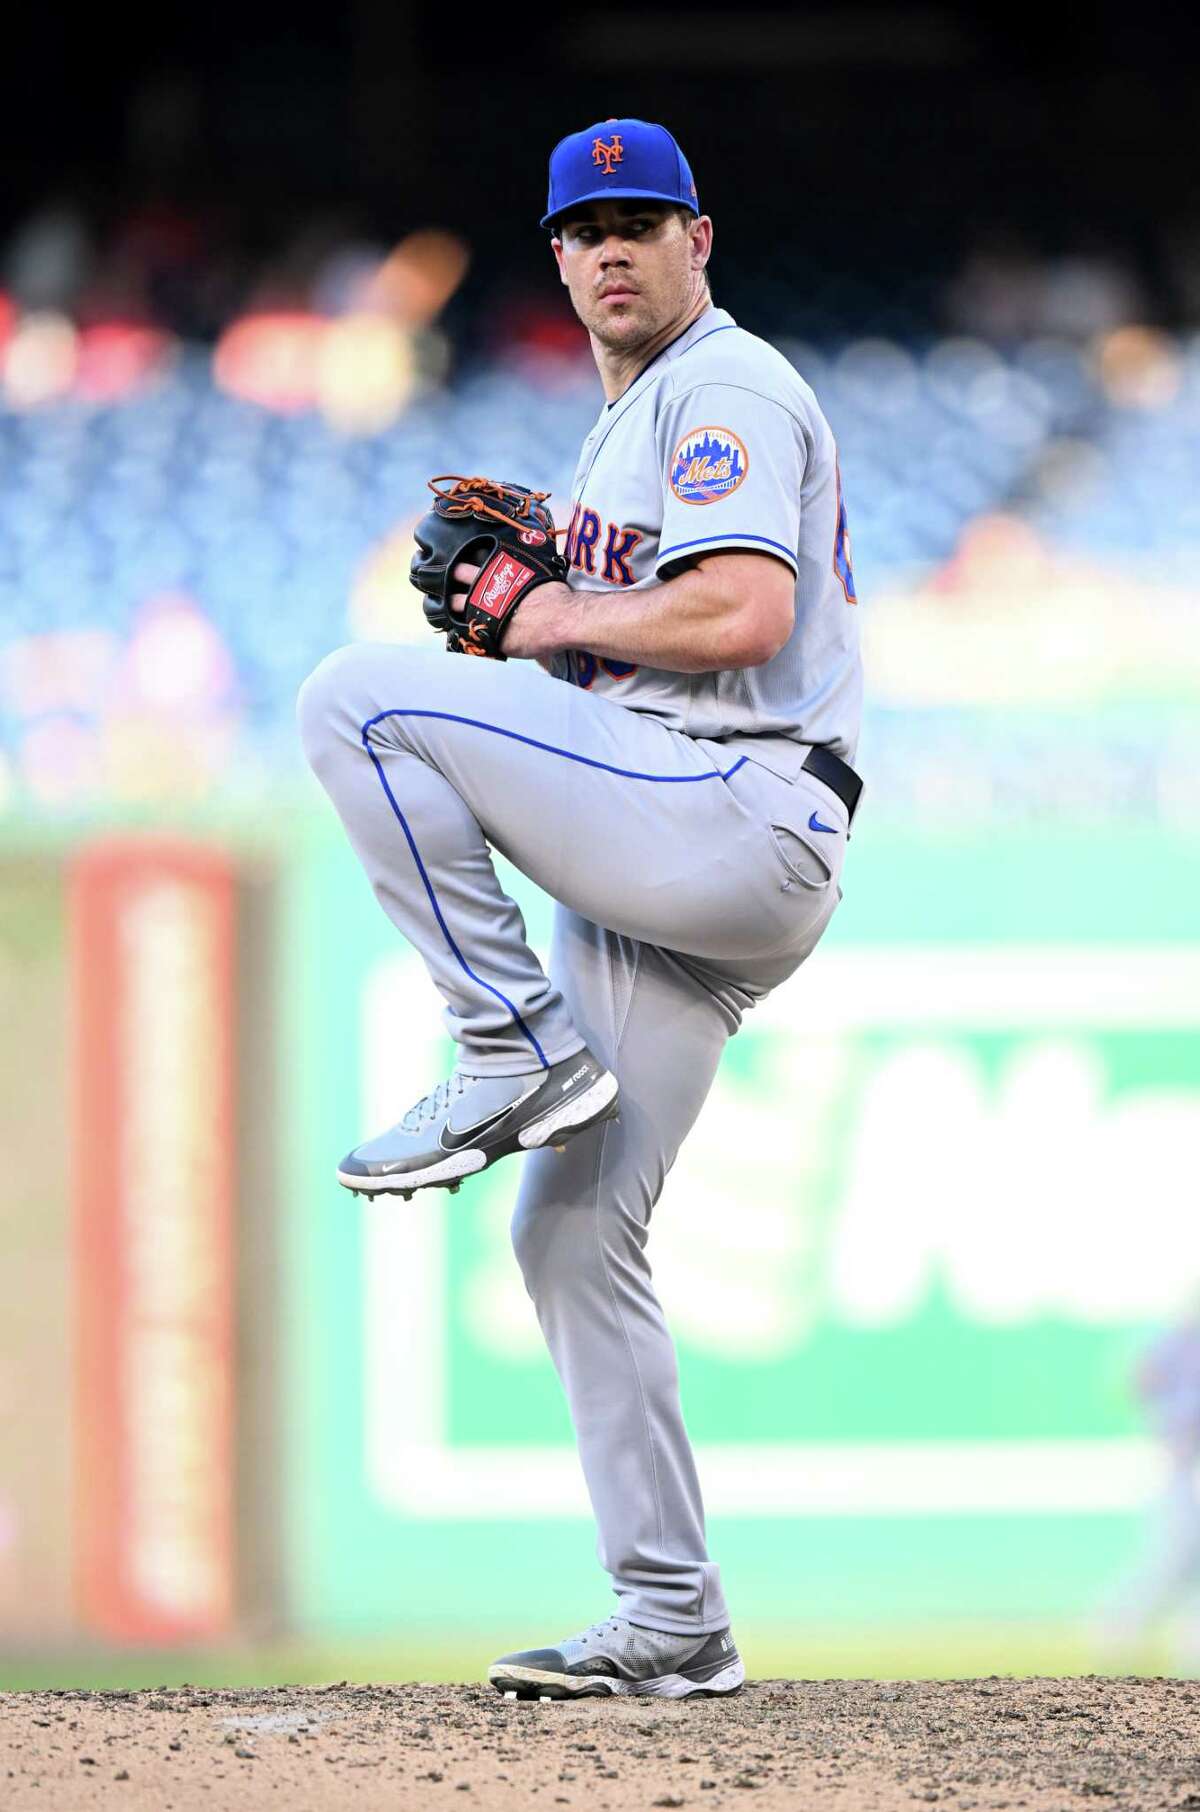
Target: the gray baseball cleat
(617, 1657)
(470, 1121)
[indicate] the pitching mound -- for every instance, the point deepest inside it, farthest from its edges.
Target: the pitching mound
(995, 1743)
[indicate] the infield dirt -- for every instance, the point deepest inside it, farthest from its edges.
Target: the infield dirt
(986, 1743)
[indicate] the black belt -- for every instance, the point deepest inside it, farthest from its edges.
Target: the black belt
(836, 774)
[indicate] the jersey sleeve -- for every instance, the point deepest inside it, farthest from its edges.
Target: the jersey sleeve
(732, 463)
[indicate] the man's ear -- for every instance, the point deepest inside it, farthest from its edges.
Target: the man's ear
(701, 234)
(556, 248)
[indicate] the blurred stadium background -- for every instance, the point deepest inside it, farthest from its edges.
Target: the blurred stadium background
(261, 273)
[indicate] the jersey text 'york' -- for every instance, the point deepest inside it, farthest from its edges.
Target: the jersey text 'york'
(607, 559)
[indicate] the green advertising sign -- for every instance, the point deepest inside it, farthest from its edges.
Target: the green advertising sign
(934, 1202)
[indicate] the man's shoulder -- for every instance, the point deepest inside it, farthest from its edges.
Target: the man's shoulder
(731, 356)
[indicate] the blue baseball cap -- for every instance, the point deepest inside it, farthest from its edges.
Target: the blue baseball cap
(615, 160)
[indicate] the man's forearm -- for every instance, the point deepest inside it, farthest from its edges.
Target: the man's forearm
(681, 625)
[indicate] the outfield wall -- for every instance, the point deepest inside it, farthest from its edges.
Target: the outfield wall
(940, 1195)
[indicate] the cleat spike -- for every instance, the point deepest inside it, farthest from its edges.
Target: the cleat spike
(560, 1148)
(510, 1695)
(547, 1697)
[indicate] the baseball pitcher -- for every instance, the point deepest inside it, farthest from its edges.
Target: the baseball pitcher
(655, 723)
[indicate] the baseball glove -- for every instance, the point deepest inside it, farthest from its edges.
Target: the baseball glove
(503, 529)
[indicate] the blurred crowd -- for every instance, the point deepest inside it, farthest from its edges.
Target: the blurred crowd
(216, 423)
(176, 555)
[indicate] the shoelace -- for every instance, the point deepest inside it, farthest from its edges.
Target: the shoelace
(432, 1106)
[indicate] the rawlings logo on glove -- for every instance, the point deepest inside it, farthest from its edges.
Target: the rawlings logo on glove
(501, 580)
(504, 530)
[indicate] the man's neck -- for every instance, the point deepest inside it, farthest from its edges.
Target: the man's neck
(618, 368)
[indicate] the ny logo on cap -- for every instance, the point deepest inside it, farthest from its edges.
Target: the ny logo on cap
(607, 155)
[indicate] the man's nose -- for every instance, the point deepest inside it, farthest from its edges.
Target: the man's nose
(614, 251)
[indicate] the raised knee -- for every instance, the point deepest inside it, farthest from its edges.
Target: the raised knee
(326, 693)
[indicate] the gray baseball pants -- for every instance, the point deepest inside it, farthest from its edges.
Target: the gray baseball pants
(688, 884)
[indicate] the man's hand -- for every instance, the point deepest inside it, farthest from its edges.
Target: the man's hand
(536, 626)
(461, 581)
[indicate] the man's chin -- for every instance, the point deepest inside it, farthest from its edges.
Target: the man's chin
(621, 331)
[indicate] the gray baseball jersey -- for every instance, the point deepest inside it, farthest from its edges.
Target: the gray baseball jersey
(719, 443)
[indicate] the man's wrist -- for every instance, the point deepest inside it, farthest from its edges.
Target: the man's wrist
(538, 625)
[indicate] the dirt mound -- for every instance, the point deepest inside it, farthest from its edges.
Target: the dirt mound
(995, 1743)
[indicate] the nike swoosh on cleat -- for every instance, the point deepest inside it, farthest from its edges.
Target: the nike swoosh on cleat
(814, 823)
(451, 1140)
(487, 1118)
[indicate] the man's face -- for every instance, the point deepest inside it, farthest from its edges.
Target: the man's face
(632, 267)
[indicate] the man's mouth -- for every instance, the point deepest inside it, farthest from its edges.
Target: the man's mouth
(621, 293)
